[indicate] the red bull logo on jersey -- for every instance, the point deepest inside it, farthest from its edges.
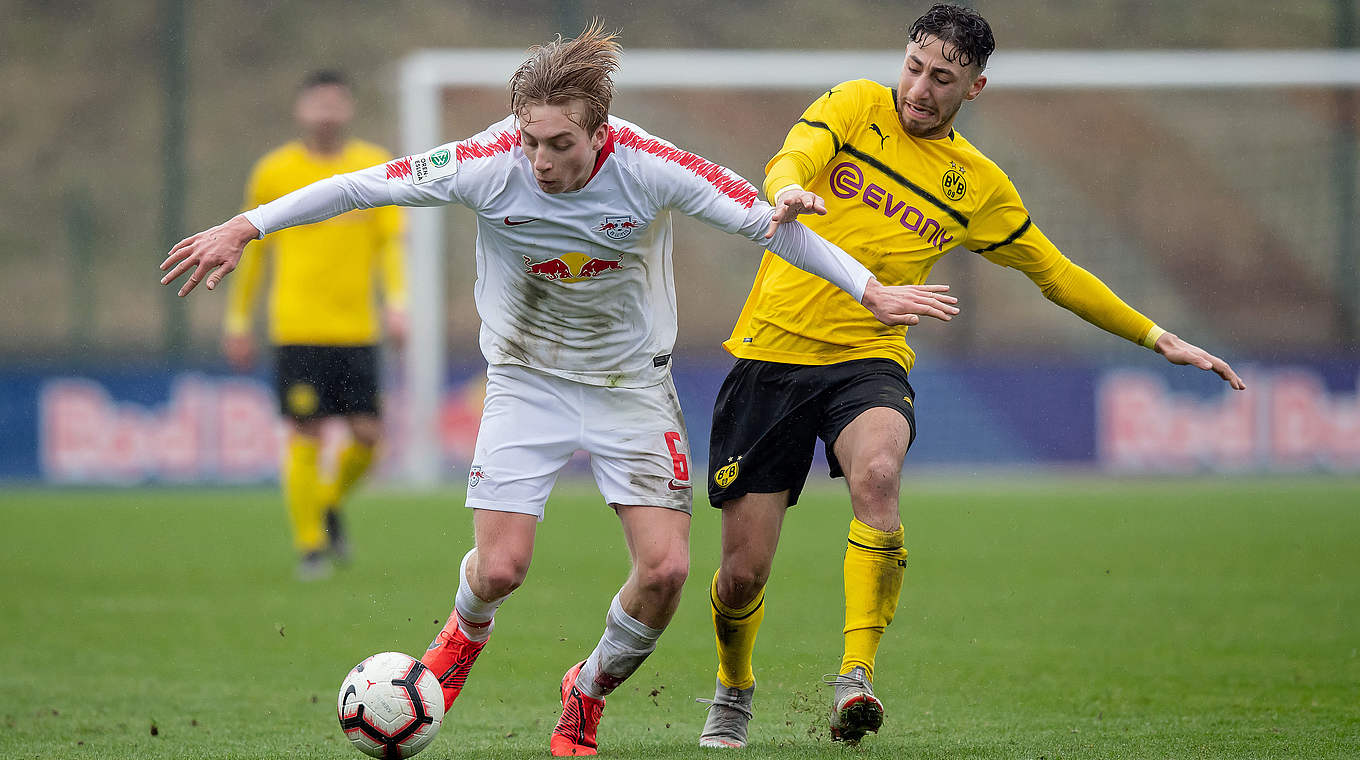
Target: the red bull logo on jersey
(847, 181)
(619, 227)
(571, 267)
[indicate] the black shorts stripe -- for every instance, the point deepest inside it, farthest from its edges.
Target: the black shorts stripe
(1014, 236)
(904, 182)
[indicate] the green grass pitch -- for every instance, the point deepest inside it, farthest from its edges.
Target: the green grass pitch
(1045, 618)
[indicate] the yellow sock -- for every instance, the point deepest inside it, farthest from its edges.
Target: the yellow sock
(301, 493)
(350, 466)
(736, 633)
(874, 564)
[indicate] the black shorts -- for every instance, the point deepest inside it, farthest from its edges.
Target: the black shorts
(768, 415)
(321, 381)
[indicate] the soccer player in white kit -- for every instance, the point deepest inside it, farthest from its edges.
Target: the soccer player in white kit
(577, 299)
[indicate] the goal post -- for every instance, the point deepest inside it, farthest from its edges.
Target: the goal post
(424, 74)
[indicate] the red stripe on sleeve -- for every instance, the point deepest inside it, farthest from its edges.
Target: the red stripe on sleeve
(504, 143)
(399, 169)
(727, 183)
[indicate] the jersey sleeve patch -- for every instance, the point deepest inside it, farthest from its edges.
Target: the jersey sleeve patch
(428, 167)
(423, 167)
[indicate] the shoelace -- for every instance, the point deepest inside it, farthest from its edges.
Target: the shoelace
(725, 702)
(845, 679)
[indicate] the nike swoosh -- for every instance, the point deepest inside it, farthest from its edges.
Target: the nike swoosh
(517, 222)
(677, 486)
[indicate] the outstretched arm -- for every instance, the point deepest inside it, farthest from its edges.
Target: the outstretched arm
(1082, 293)
(214, 253)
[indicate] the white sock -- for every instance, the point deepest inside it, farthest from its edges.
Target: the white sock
(625, 644)
(477, 613)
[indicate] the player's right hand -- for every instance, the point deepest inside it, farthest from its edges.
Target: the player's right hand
(212, 254)
(790, 204)
(906, 304)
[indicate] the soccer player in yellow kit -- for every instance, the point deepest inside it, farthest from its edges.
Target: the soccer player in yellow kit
(326, 338)
(890, 181)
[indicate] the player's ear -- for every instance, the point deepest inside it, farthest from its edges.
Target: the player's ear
(976, 88)
(599, 137)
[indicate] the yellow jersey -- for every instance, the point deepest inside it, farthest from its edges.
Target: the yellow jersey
(896, 203)
(324, 274)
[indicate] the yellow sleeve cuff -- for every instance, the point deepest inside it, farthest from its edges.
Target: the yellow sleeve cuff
(1153, 333)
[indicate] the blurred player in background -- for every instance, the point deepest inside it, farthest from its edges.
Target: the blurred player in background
(323, 320)
(898, 187)
(576, 293)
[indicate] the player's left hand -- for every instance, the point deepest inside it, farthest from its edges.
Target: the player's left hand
(790, 204)
(212, 254)
(1178, 351)
(906, 304)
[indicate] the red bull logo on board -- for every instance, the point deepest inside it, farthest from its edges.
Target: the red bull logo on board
(570, 267)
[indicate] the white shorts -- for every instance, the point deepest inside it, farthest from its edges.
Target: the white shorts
(533, 422)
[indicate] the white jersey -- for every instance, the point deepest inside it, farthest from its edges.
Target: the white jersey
(576, 284)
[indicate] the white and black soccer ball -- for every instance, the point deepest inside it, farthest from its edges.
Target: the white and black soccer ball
(391, 706)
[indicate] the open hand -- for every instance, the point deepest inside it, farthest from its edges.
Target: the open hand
(1178, 351)
(906, 304)
(211, 254)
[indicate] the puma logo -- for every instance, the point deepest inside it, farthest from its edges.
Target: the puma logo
(882, 138)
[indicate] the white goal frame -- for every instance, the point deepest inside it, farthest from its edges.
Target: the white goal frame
(424, 73)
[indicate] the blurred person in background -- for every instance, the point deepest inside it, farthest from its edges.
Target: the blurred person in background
(324, 322)
(888, 179)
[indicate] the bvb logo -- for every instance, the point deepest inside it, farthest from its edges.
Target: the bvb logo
(954, 184)
(439, 158)
(302, 399)
(726, 475)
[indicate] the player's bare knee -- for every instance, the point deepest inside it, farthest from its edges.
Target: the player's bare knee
(666, 577)
(496, 577)
(739, 583)
(877, 479)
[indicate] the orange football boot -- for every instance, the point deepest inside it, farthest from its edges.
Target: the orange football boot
(450, 657)
(575, 731)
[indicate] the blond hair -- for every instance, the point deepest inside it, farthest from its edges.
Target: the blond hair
(566, 70)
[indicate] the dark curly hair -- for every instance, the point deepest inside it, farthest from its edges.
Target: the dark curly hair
(965, 34)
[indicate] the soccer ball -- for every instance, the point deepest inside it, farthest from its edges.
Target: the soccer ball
(391, 706)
